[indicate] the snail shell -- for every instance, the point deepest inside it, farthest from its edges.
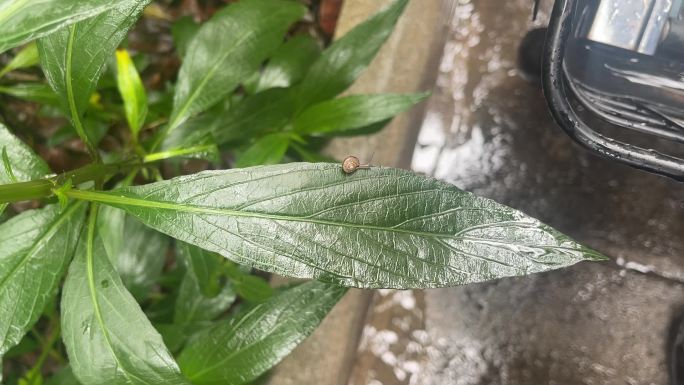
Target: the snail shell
(351, 164)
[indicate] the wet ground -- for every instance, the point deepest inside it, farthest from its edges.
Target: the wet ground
(488, 131)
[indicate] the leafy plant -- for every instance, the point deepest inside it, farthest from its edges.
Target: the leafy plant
(158, 270)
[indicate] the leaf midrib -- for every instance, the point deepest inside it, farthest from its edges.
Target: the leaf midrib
(108, 198)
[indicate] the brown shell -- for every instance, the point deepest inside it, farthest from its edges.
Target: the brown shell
(351, 164)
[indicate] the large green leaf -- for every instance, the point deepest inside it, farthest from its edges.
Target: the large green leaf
(239, 351)
(226, 50)
(375, 228)
(137, 251)
(25, 20)
(352, 112)
(36, 248)
(342, 62)
(108, 338)
(73, 57)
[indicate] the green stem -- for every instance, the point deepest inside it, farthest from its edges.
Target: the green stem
(42, 188)
(176, 153)
(46, 350)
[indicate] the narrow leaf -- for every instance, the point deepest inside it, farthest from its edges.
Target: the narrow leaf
(269, 149)
(239, 351)
(376, 228)
(27, 57)
(252, 116)
(36, 248)
(193, 306)
(26, 165)
(342, 62)
(108, 338)
(289, 63)
(73, 57)
(205, 266)
(213, 67)
(32, 92)
(352, 112)
(132, 91)
(25, 20)
(137, 251)
(183, 31)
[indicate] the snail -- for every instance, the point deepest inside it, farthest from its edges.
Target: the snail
(352, 163)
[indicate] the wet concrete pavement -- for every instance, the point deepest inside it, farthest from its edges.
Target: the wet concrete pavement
(488, 131)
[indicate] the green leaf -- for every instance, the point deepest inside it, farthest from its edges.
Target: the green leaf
(73, 57)
(342, 62)
(36, 248)
(24, 164)
(269, 149)
(250, 287)
(108, 338)
(205, 266)
(132, 92)
(63, 377)
(27, 57)
(289, 63)
(193, 306)
(239, 351)
(353, 112)
(213, 67)
(249, 117)
(376, 228)
(137, 251)
(32, 92)
(24, 20)
(183, 31)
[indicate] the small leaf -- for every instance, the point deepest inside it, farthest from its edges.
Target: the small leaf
(250, 287)
(22, 20)
(108, 338)
(183, 31)
(206, 267)
(376, 228)
(289, 63)
(26, 165)
(36, 248)
(239, 351)
(342, 62)
(132, 92)
(32, 92)
(249, 117)
(192, 306)
(27, 57)
(269, 149)
(213, 67)
(352, 112)
(137, 251)
(73, 57)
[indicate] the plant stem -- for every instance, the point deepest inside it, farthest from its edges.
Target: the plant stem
(42, 188)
